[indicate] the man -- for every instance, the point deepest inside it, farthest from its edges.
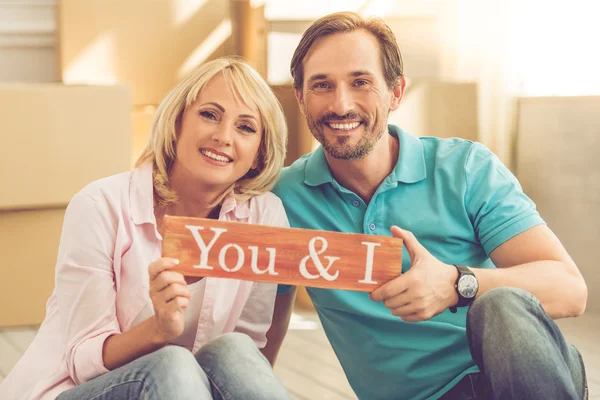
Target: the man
(483, 276)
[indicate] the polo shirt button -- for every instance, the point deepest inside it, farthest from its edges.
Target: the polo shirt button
(372, 227)
(356, 203)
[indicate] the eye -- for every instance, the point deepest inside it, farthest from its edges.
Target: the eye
(247, 128)
(321, 85)
(361, 82)
(209, 115)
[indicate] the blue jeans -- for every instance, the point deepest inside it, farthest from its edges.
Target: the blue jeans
(520, 352)
(229, 367)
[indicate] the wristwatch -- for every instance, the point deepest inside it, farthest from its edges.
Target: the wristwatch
(466, 287)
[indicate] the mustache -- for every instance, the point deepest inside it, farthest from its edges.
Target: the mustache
(340, 118)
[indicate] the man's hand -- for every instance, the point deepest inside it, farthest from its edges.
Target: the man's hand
(425, 290)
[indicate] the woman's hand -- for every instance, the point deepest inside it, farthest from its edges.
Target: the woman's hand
(170, 295)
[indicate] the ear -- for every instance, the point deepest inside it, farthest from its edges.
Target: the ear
(300, 100)
(397, 93)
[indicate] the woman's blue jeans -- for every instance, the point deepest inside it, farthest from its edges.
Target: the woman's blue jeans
(229, 367)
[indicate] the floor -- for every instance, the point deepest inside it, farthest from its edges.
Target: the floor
(308, 367)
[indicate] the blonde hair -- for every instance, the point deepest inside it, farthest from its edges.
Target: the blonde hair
(342, 22)
(249, 88)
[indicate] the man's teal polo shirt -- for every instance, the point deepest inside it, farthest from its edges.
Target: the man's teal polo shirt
(461, 203)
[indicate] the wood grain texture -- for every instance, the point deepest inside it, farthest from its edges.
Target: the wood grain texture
(298, 256)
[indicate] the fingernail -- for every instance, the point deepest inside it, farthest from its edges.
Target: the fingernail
(174, 261)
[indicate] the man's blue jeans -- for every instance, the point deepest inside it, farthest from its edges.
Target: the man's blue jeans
(229, 367)
(520, 351)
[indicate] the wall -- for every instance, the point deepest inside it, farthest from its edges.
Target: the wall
(27, 41)
(559, 168)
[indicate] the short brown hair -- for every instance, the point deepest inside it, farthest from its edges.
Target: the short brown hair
(342, 22)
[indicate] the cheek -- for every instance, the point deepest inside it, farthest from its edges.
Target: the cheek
(312, 102)
(315, 108)
(250, 149)
(185, 147)
(186, 134)
(184, 142)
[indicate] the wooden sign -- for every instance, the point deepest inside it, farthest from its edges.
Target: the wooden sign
(206, 247)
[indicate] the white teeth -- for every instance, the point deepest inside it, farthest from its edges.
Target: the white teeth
(214, 156)
(344, 127)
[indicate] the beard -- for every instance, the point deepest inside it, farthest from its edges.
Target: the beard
(341, 148)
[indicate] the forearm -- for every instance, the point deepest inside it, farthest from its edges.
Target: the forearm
(558, 286)
(279, 326)
(140, 340)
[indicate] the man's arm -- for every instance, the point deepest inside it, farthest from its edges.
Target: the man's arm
(533, 260)
(536, 261)
(279, 326)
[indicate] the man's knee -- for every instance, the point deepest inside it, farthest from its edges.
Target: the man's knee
(501, 302)
(499, 309)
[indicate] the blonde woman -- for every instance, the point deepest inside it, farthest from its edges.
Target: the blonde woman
(120, 324)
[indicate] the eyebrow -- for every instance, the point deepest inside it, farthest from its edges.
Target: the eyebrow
(220, 107)
(361, 73)
(317, 77)
(353, 74)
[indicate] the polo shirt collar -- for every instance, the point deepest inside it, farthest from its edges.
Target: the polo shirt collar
(410, 168)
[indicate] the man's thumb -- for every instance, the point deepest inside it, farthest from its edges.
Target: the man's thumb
(410, 241)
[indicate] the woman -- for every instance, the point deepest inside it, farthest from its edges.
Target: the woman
(120, 324)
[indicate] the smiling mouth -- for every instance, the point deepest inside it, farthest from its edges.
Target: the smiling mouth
(216, 157)
(343, 126)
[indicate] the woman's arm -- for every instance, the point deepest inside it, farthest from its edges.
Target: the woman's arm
(142, 339)
(86, 295)
(279, 324)
(85, 284)
(277, 317)
(170, 296)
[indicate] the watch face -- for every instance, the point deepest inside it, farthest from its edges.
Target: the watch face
(468, 286)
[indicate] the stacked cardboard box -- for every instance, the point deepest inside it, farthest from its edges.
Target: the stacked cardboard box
(112, 41)
(558, 167)
(439, 109)
(55, 140)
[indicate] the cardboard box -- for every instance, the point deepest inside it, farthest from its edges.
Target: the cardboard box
(439, 109)
(300, 140)
(29, 245)
(148, 45)
(559, 169)
(56, 139)
(142, 123)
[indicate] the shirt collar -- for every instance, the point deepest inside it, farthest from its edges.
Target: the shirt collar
(240, 210)
(317, 170)
(410, 167)
(141, 196)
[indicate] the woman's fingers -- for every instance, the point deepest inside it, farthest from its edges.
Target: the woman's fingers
(160, 265)
(166, 278)
(171, 292)
(179, 303)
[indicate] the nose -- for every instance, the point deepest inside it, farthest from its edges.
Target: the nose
(343, 101)
(223, 134)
